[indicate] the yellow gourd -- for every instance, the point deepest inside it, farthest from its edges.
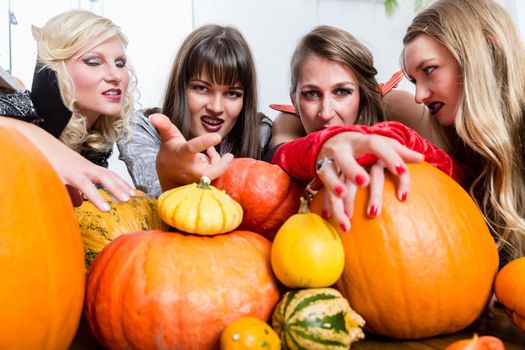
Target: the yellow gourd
(200, 209)
(249, 333)
(307, 251)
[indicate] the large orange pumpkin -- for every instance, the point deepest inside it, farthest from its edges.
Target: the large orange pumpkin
(160, 290)
(423, 267)
(510, 290)
(41, 254)
(267, 194)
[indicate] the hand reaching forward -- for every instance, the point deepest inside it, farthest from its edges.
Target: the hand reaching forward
(341, 174)
(180, 162)
(78, 174)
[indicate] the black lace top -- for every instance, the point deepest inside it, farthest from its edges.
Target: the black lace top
(21, 106)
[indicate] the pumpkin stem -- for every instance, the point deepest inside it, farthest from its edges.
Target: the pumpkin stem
(204, 183)
(303, 208)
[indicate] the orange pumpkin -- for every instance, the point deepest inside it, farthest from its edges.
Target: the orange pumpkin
(41, 253)
(423, 267)
(160, 290)
(485, 342)
(510, 290)
(267, 194)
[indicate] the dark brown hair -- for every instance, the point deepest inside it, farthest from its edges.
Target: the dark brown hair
(224, 56)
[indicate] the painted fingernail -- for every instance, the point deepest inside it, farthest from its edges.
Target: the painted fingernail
(400, 169)
(124, 197)
(343, 227)
(359, 179)
(373, 210)
(339, 190)
(132, 192)
(404, 197)
(325, 214)
(105, 207)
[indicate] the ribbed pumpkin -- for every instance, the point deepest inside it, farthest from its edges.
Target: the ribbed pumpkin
(200, 208)
(41, 254)
(249, 333)
(316, 319)
(267, 194)
(510, 290)
(423, 267)
(160, 290)
(307, 251)
(99, 228)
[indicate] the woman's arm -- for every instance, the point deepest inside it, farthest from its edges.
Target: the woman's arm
(286, 127)
(77, 173)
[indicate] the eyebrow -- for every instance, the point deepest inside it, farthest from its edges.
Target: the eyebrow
(338, 85)
(198, 80)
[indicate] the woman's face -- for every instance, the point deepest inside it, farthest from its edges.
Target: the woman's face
(101, 79)
(213, 107)
(327, 93)
(437, 76)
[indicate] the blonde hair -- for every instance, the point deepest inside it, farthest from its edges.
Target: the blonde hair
(491, 109)
(61, 38)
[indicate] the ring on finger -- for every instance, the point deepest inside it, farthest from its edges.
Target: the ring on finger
(320, 165)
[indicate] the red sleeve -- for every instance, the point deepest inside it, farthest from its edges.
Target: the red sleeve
(298, 157)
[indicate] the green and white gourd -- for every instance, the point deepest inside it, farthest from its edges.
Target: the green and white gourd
(316, 319)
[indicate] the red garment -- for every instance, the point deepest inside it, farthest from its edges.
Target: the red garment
(298, 157)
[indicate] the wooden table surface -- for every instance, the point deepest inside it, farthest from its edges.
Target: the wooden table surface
(499, 326)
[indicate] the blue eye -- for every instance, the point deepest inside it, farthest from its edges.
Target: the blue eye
(428, 70)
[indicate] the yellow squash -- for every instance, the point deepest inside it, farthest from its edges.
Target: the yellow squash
(200, 208)
(249, 333)
(307, 252)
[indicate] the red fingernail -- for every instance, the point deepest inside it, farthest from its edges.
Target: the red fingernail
(359, 179)
(343, 227)
(400, 169)
(325, 214)
(404, 197)
(373, 210)
(339, 190)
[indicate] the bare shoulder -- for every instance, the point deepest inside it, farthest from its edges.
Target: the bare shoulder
(401, 106)
(286, 127)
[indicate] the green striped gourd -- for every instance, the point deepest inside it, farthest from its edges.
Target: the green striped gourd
(99, 228)
(316, 319)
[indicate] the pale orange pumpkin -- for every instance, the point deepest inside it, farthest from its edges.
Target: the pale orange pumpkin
(423, 267)
(267, 194)
(510, 290)
(41, 253)
(160, 290)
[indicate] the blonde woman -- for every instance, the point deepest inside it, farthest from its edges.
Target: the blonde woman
(81, 95)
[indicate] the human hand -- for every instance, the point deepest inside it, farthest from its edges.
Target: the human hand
(181, 162)
(78, 174)
(341, 174)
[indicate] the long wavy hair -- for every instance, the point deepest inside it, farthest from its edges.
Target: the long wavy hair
(224, 56)
(60, 39)
(489, 137)
(340, 46)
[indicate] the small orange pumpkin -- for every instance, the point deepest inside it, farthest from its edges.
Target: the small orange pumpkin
(249, 333)
(485, 342)
(41, 253)
(423, 267)
(510, 290)
(267, 194)
(169, 290)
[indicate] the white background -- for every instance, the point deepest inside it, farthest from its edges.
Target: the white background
(156, 28)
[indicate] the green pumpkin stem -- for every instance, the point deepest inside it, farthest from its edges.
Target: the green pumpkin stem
(204, 183)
